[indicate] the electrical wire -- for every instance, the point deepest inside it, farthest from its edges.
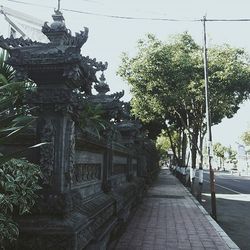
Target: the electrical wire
(31, 4)
(132, 17)
(228, 20)
(105, 15)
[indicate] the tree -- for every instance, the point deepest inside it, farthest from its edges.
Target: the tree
(165, 143)
(231, 158)
(246, 138)
(219, 151)
(167, 84)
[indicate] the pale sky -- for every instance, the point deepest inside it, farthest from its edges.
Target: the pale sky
(109, 37)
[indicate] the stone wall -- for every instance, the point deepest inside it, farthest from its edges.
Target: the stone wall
(91, 183)
(89, 212)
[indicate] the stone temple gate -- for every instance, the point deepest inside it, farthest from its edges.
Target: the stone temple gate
(91, 184)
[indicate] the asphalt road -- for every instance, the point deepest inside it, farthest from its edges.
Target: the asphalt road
(233, 183)
(233, 205)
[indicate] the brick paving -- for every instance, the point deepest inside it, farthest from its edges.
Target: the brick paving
(170, 218)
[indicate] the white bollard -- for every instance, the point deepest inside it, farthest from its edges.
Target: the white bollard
(200, 176)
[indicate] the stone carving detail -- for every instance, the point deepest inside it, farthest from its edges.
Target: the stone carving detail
(84, 236)
(119, 165)
(118, 169)
(53, 204)
(86, 172)
(95, 65)
(63, 35)
(8, 43)
(58, 100)
(56, 62)
(134, 165)
(47, 152)
(70, 152)
(102, 88)
(79, 39)
(111, 104)
(94, 206)
(72, 72)
(50, 96)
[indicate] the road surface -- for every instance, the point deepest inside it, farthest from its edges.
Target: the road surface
(233, 205)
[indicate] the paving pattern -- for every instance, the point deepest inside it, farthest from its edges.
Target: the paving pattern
(170, 218)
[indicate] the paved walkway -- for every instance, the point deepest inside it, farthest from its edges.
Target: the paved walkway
(170, 218)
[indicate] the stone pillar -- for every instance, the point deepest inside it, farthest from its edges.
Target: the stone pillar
(107, 168)
(56, 127)
(130, 167)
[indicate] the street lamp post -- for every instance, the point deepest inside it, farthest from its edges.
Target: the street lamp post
(208, 118)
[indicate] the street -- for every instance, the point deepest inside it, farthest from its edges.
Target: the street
(233, 205)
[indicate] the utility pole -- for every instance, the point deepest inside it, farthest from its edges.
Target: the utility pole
(208, 117)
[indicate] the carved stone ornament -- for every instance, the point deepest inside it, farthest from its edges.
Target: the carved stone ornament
(47, 152)
(86, 172)
(57, 62)
(58, 33)
(70, 152)
(10, 43)
(48, 95)
(110, 104)
(102, 87)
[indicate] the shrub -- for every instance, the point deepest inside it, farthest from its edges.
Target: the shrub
(18, 185)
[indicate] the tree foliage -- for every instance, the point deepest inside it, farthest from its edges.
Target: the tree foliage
(163, 143)
(219, 151)
(18, 177)
(231, 155)
(167, 84)
(12, 91)
(246, 138)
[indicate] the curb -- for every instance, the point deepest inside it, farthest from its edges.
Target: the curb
(229, 242)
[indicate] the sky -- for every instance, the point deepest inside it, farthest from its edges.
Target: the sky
(109, 37)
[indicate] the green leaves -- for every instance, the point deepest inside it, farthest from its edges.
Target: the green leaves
(167, 82)
(18, 187)
(18, 177)
(246, 137)
(91, 119)
(6, 71)
(8, 229)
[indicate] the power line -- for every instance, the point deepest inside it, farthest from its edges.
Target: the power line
(31, 4)
(133, 17)
(228, 20)
(108, 16)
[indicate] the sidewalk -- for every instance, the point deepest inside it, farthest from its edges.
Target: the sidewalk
(170, 218)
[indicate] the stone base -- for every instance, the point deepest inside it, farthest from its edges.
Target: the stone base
(91, 224)
(88, 222)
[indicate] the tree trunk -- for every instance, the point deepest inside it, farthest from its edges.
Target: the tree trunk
(194, 148)
(194, 140)
(179, 146)
(176, 160)
(184, 148)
